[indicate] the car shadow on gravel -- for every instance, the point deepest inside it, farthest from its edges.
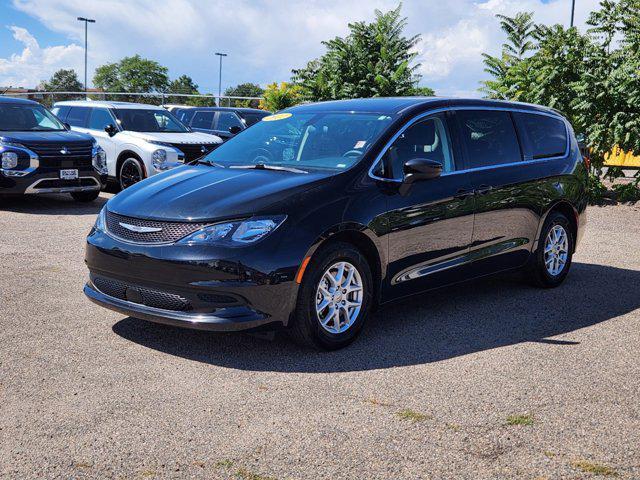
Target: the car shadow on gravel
(433, 326)
(51, 204)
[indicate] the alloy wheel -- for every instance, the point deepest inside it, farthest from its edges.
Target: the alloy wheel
(130, 173)
(339, 297)
(556, 250)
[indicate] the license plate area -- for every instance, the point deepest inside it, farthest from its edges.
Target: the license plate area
(69, 174)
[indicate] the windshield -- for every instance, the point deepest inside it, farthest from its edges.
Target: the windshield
(151, 120)
(28, 118)
(333, 141)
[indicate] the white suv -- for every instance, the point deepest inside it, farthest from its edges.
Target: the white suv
(139, 140)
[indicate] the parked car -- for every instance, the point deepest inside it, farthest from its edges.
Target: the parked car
(221, 121)
(315, 215)
(139, 140)
(41, 155)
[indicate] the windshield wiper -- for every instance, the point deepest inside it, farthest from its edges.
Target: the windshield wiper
(264, 166)
(203, 161)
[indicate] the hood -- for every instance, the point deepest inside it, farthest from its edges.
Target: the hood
(185, 137)
(204, 193)
(66, 136)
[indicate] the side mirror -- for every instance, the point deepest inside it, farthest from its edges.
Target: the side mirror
(234, 129)
(418, 169)
(111, 130)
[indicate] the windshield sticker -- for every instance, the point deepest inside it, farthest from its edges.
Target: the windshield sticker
(360, 144)
(277, 116)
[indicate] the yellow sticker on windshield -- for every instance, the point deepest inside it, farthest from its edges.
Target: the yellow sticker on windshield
(277, 116)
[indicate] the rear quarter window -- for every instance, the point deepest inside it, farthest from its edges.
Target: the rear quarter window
(545, 136)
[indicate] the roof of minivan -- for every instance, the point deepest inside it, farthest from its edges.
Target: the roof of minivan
(4, 99)
(100, 103)
(398, 105)
(232, 109)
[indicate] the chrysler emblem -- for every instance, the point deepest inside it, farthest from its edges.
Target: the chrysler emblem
(139, 229)
(64, 151)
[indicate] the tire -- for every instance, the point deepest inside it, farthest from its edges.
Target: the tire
(306, 327)
(131, 172)
(542, 271)
(85, 197)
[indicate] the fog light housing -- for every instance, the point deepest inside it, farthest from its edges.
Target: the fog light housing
(159, 158)
(9, 160)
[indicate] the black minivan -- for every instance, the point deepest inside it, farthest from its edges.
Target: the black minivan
(40, 154)
(315, 215)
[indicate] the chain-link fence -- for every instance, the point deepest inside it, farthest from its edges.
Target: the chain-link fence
(49, 98)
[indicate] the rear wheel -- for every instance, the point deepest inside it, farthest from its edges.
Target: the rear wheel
(131, 172)
(85, 197)
(334, 299)
(552, 260)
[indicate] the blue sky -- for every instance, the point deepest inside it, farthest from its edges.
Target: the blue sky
(265, 39)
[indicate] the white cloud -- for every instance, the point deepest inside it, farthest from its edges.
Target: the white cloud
(34, 64)
(265, 39)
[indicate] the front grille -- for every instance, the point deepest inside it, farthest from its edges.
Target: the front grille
(141, 295)
(194, 150)
(56, 183)
(78, 153)
(169, 231)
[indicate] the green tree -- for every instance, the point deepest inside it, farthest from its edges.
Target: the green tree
(281, 96)
(134, 75)
(64, 80)
(183, 84)
(592, 78)
(245, 90)
(374, 60)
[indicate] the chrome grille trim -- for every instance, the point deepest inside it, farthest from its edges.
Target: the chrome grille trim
(169, 232)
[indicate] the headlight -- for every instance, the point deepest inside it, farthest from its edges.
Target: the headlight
(101, 222)
(159, 159)
(99, 159)
(9, 160)
(237, 233)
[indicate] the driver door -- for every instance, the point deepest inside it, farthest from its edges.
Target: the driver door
(431, 224)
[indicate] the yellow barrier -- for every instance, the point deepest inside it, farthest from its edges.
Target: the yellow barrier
(618, 158)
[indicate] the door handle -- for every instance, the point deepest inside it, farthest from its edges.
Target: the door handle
(483, 189)
(464, 193)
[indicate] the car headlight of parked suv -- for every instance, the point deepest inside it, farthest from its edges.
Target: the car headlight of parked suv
(159, 159)
(241, 232)
(99, 159)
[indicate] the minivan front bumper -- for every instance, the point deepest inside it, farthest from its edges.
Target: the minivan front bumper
(205, 288)
(220, 322)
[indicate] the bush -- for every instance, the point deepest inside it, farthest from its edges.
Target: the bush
(596, 189)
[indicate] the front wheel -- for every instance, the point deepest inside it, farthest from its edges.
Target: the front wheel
(130, 173)
(552, 260)
(334, 299)
(85, 197)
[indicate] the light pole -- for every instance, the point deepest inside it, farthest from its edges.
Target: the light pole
(573, 9)
(86, 22)
(220, 76)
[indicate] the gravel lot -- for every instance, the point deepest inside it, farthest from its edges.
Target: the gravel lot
(490, 379)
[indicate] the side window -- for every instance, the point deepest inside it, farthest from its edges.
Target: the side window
(546, 136)
(100, 118)
(78, 116)
(425, 139)
(489, 136)
(61, 112)
(226, 120)
(203, 120)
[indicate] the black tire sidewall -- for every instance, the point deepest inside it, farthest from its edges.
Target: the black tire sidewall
(307, 323)
(138, 165)
(544, 278)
